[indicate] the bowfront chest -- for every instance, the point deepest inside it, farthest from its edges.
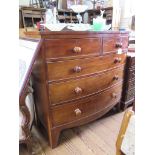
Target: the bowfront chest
(78, 77)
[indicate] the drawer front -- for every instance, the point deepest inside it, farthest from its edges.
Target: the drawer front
(59, 48)
(112, 44)
(80, 67)
(73, 111)
(74, 89)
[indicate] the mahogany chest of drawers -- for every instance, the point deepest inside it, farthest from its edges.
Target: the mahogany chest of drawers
(128, 93)
(78, 77)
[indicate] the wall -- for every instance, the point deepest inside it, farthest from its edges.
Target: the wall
(116, 15)
(127, 11)
(122, 14)
(24, 2)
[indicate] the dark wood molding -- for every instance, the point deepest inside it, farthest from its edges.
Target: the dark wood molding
(26, 114)
(25, 90)
(25, 83)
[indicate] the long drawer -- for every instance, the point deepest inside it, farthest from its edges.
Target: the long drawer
(79, 67)
(73, 111)
(112, 44)
(57, 48)
(74, 89)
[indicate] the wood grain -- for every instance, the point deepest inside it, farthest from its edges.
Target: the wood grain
(62, 114)
(65, 47)
(61, 53)
(109, 43)
(65, 69)
(66, 91)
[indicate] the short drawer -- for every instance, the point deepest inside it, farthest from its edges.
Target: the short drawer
(79, 67)
(112, 44)
(60, 48)
(73, 111)
(74, 89)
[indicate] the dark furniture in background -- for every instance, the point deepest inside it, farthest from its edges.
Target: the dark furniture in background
(31, 15)
(107, 15)
(26, 113)
(20, 19)
(77, 78)
(67, 16)
(25, 89)
(128, 95)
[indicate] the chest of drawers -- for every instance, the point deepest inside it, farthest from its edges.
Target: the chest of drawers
(78, 77)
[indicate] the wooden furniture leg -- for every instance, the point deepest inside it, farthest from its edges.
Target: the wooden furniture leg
(26, 114)
(122, 131)
(118, 107)
(54, 137)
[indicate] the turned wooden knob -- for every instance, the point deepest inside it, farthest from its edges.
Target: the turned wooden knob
(77, 112)
(118, 45)
(78, 90)
(116, 77)
(77, 69)
(114, 95)
(117, 60)
(77, 49)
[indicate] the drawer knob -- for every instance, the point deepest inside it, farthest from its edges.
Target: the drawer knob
(77, 112)
(118, 45)
(116, 77)
(78, 90)
(117, 60)
(77, 49)
(114, 95)
(77, 69)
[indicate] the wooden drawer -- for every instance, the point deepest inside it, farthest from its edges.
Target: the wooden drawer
(70, 112)
(74, 89)
(59, 48)
(112, 44)
(79, 67)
